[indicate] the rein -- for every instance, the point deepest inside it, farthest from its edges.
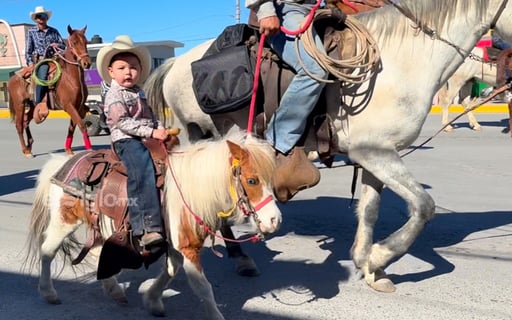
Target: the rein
(259, 55)
(62, 54)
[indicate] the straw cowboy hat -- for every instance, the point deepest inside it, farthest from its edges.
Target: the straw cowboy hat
(40, 10)
(123, 44)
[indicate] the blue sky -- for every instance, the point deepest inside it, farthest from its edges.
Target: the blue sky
(188, 21)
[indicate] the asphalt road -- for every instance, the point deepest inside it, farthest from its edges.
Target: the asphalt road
(459, 268)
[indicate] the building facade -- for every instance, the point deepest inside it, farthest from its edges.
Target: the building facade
(12, 56)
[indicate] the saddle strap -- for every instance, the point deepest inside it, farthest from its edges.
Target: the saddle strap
(93, 238)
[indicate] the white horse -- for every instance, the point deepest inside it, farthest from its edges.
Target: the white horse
(460, 84)
(230, 176)
(421, 46)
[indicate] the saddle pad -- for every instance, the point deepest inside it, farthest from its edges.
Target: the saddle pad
(84, 168)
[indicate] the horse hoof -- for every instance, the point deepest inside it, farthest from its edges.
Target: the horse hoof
(70, 152)
(246, 267)
(477, 128)
(448, 129)
(379, 281)
(383, 285)
(28, 155)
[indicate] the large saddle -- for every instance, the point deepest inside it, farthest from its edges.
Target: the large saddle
(99, 179)
(27, 74)
(275, 76)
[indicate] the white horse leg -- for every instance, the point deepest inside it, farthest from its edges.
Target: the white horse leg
(387, 167)
(153, 296)
(473, 123)
(112, 288)
(110, 285)
(55, 234)
(445, 97)
(444, 118)
(367, 213)
(203, 289)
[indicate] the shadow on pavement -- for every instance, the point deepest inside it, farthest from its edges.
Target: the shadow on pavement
(326, 218)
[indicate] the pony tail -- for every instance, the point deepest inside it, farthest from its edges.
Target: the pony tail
(39, 217)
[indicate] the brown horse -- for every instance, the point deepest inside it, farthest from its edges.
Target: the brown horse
(69, 93)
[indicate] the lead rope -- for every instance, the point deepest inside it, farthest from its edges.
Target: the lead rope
(302, 29)
(503, 88)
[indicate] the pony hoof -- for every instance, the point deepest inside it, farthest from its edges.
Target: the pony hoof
(121, 300)
(477, 128)
(28, 155)
(155, 308)
(53, 300)
(70, 152)
(246, 267)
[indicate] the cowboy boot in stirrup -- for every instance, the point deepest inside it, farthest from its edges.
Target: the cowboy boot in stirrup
(294, 172)
(41, 111)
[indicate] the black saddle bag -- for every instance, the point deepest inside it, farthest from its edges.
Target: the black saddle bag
(223, 78)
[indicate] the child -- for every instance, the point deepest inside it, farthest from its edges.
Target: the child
(125, 67)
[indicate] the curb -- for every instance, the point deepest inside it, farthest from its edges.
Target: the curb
(436, 109)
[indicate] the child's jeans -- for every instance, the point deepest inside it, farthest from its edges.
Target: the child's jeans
(143, 197)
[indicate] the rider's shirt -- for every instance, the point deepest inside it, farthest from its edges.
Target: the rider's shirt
(39, 41)
(128, 115)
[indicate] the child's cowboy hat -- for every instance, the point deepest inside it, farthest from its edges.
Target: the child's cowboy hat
(123, 44)
(40, 10)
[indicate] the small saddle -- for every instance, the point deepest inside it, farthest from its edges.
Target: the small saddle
(100, 179)
(99, 176)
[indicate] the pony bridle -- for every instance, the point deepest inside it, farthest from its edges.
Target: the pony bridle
(241, 200)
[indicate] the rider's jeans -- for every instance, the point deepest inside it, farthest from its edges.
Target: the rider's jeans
(288, 123)
(42, 73)
(143, 200)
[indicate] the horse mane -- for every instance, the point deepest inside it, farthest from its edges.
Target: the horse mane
(203, 173)
(436, 14)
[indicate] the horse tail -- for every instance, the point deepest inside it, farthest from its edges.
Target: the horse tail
(40, 215)
(153, 87)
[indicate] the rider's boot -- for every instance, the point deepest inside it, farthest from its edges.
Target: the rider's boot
(41, 111)
(294, 172)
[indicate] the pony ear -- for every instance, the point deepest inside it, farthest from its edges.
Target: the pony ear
(70, 30)
(237, 151)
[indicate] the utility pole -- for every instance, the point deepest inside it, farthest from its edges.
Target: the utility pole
(237, 11)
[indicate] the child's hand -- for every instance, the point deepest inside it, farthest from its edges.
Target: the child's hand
(160, 134)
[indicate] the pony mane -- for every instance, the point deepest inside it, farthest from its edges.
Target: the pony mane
(388, 21)
(203, 173)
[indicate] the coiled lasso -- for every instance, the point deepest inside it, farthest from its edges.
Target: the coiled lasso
(357, 69)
